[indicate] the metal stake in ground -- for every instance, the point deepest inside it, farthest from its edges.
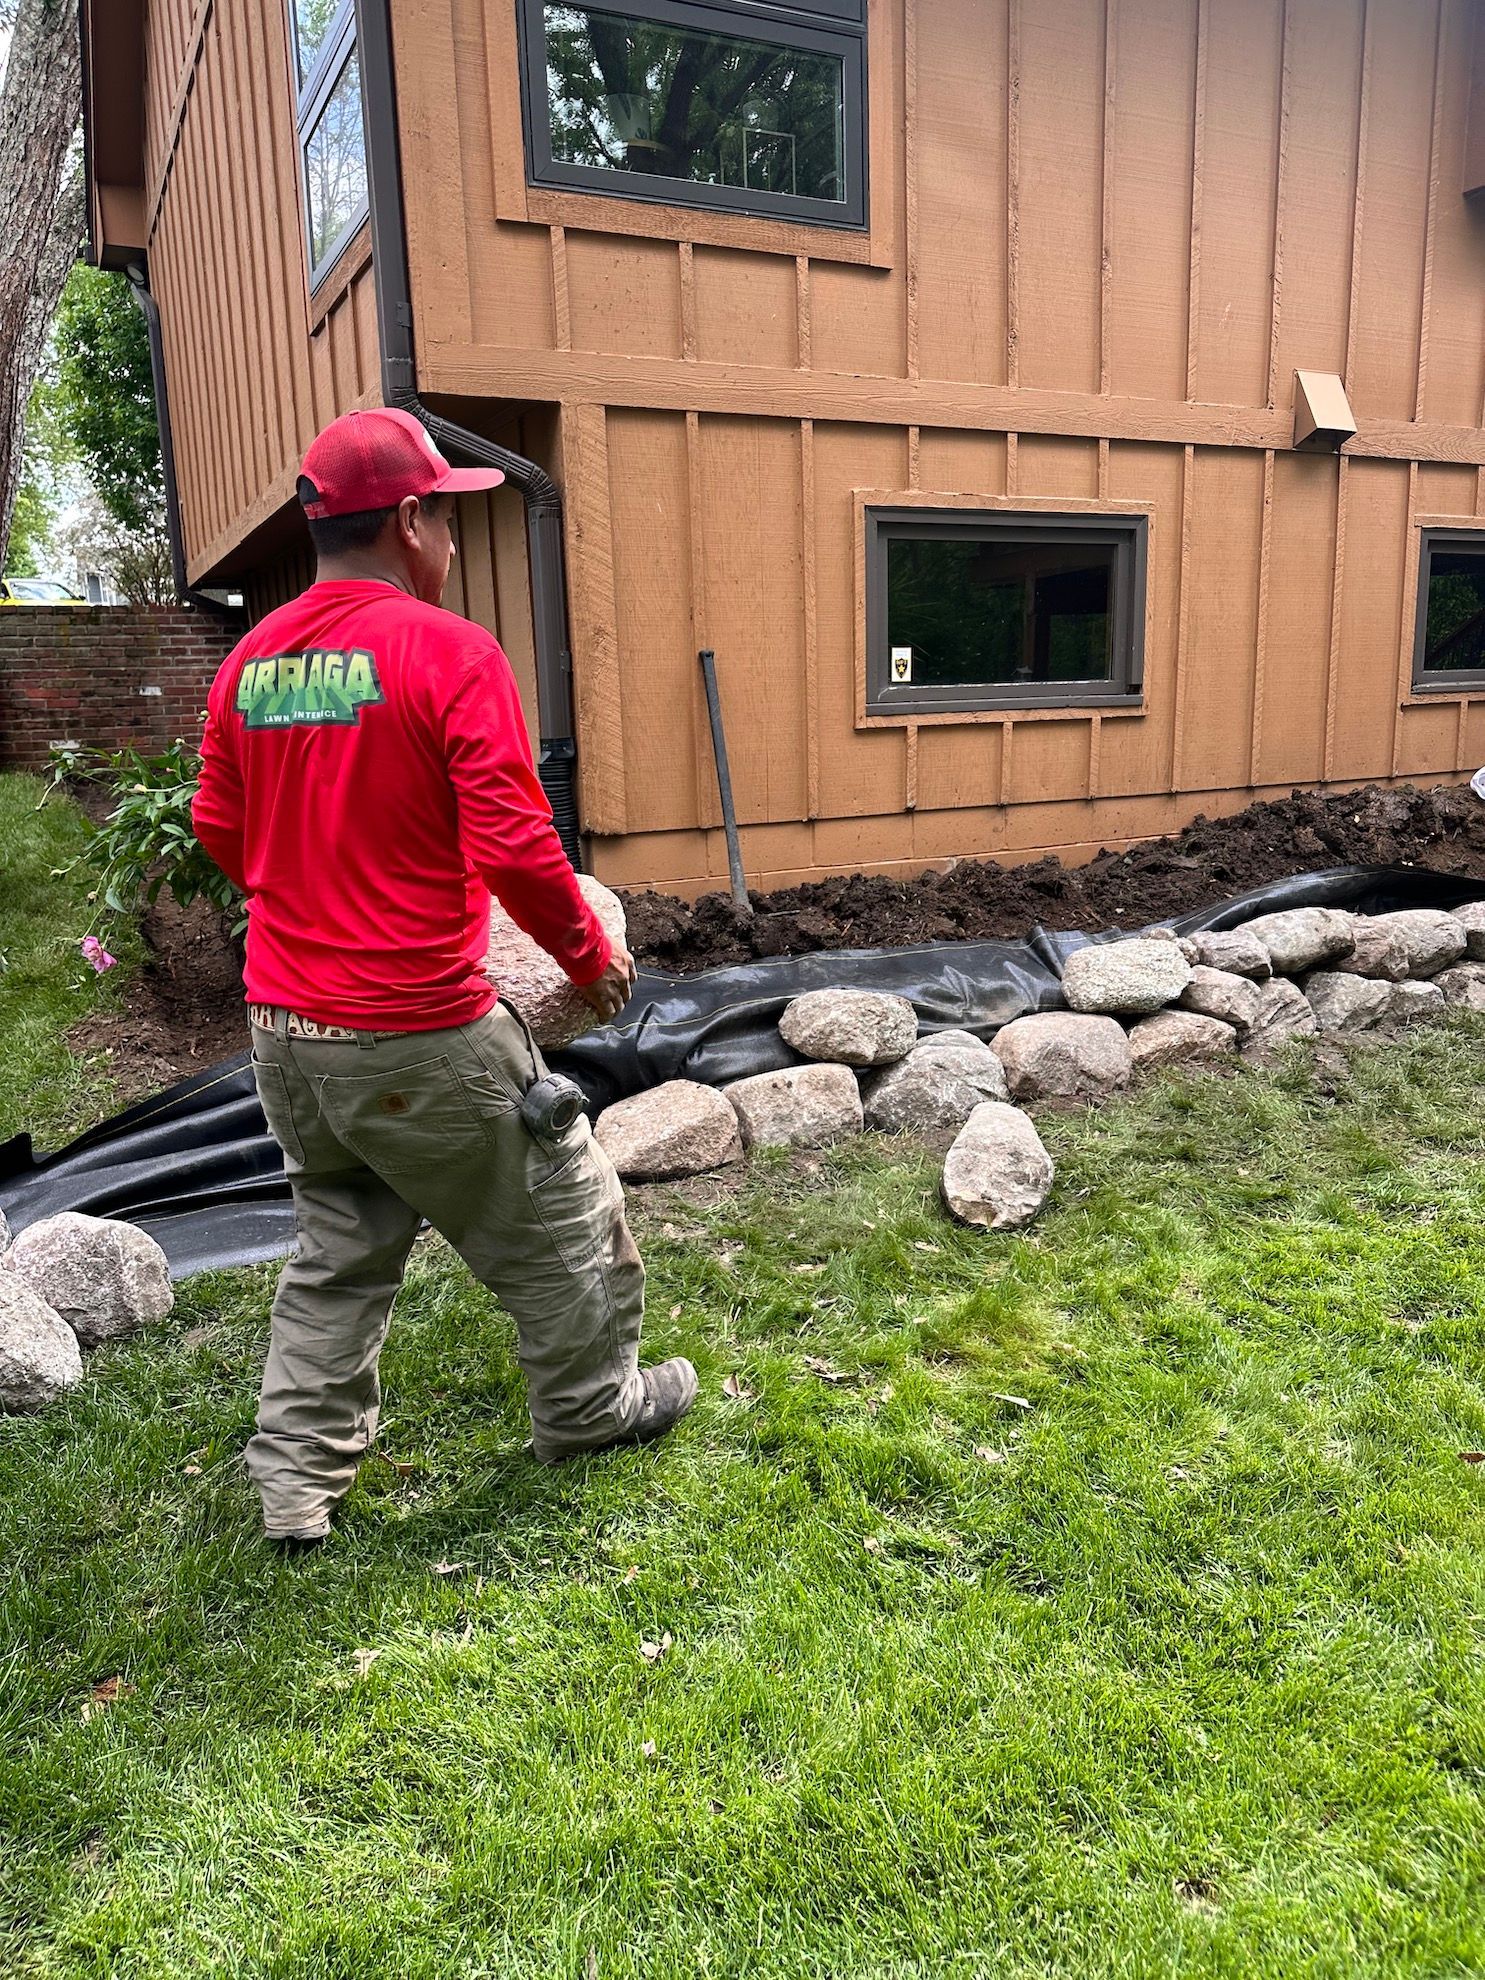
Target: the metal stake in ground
(740, 899)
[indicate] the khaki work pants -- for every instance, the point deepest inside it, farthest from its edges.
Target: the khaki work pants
(378, 1133)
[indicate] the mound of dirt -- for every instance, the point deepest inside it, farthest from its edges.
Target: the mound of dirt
(979, 900)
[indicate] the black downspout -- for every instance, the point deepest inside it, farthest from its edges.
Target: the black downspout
(184, 591)
(557, 755)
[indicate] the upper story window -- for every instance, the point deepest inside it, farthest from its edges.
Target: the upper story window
(1449, 643)
(970, 609)
(332, 138)
(742, 105)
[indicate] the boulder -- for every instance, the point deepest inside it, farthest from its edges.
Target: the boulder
(1471, 918)
(4, 1233)
(1283, 1013)
(1464, 984)
(39, 1355)
(850, 1027)
(678, 1129)
(1376, 950)
(1235, 950)
(104, 1278)
(1133, 977)
(1407, 1001)
(800, 1107)
(939, 1084)
(1430, 938)
(1222, 994)
(1302, 938)
(1347, 1003)
(1063, 1055)
(997, 1174)
(535, 982)
(1172, 1037)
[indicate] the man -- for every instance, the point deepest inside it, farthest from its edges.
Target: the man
(367, 781)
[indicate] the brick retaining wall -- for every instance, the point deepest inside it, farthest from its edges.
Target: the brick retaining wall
(108, 676)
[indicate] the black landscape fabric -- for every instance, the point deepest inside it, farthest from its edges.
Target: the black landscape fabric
(196, 1167)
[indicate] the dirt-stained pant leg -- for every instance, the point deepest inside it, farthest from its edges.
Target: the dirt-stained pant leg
(430, 1123)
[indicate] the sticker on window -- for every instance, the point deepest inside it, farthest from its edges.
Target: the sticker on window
(902, 663)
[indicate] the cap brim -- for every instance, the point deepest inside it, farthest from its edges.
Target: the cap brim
(468, 481)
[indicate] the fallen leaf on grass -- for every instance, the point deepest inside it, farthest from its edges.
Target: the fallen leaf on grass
(451, 1567)
(872, 1544)
(806, 1268)
(192, 1471)
(631, 1573)
(818, 1365)
(590, 1965)
(1472, 1457)
(922, 1244)
(1199, 1892)
(363, 1660)
(1177, 1473)
(653, 1652)
(402, 1469)
(675, 1311)
(987, 1455)
(1017, 1402)
(648, 1749)
(735, 1387)
(108, 1691)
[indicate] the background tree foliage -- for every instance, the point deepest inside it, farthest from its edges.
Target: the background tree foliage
(100, 395)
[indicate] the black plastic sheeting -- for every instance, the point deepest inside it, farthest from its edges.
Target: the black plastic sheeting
(196, 1167)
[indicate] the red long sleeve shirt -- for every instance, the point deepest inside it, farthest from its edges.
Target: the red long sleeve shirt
(366, 779)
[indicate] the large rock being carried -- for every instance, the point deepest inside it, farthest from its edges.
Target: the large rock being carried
(939, 1084)
(105, 1279)
(678, 1129)
(850, 1027)
(1302, 938)
(1063, 1055)
(997, 1174)
(800, 1107)
(39, 1355)
(522, 970)
(1133, 977)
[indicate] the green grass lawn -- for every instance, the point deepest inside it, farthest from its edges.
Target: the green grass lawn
(1103, 1602)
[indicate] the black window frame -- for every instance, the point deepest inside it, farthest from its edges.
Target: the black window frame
(834, 27)
(1127, 535)
(310, 100)
(1468, 680)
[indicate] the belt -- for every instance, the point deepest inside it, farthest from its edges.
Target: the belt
(266, 1016)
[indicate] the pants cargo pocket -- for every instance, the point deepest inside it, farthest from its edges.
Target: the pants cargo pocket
(273, 1097)
(577, 1204)
(411, 1119)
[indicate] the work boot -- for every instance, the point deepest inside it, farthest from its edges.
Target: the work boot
(670, 1390)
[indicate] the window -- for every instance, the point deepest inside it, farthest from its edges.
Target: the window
(332, 139)
(742, 105)
(1449, 645)
(967, 610)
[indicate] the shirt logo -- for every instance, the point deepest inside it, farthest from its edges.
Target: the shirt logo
(308, 689)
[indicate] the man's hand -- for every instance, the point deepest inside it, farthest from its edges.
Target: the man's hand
(609, 993)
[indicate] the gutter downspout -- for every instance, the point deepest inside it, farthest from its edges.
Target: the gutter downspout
(150, 309)
(557, 754)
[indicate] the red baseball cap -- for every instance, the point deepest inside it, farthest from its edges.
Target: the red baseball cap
(371, 460)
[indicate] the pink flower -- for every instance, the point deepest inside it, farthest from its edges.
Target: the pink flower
(95, 953)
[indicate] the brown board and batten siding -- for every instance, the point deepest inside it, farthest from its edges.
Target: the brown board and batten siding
(1104, 234)
(255, 367)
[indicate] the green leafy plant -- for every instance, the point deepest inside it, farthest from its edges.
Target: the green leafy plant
(146, 843)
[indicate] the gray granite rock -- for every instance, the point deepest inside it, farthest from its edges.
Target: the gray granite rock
(1173, 1037)
(1132, 978)
(1283, 1013)
(997, 1174)
(39, 1355)
(939, 1084)
(800, 1107)
(105, 1279)
(1407, 1001)
(1471, 918)
(1224, 995)
(1347, 1003)
(1302, 938)
(678, 1129)
(1431, 938)
(1464, 985)
(1376, 950)
(535, 982)
(1234, 950)
(4, 1232)
(1063, 1055)
(850, 1027)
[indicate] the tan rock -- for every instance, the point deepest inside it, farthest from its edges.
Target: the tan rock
(678, 1129)
(800, 1107)
(104, 1278)
(850, 1027)
(998, 1173)
(1063, 1054)
(1174, 1037)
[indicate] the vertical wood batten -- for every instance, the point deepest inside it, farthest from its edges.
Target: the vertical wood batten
(910, 184)
(590, 562)
(1013, 193)
(264, 457)
(1260, 653)
(1337, 599)
(1280, 179)
(803, 314)
(1106, 200)
(708, 813)
(1198, 143)
(1358, 206)
(561, 296)
(1183, 619)
(1406, 617)
(1430, 222)
(687, 279)
(809, 583)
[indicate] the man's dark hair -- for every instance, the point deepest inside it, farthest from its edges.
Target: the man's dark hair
(332, 536)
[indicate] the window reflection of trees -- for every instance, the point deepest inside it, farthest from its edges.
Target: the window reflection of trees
(335, 165)
(635, 96)
(312, 22)
(1454, 639)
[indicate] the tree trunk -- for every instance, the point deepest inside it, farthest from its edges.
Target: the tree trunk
(41, 196)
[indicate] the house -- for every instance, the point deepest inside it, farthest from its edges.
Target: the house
(1060, 417)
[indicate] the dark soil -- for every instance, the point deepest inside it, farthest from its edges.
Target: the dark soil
(979, 900)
